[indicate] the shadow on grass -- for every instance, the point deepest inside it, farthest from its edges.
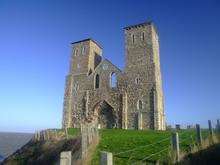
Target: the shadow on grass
(208, 156)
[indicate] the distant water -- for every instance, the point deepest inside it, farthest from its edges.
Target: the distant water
(11, 142)
(1, 158)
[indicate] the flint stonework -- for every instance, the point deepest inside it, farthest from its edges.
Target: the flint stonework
(95, 86)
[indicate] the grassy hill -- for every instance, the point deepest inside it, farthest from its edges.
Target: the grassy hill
(132, 146)
(127, 146)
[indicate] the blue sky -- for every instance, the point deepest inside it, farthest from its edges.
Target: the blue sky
(35, 37)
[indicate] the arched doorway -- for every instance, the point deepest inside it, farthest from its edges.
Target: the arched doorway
(105, 114)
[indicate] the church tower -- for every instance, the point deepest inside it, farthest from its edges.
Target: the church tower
(128, 99)
(85, 57)
(144, 106)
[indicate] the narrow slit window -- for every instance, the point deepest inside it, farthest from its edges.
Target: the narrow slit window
(137, 80)
(75, 88)
(143, 36)
(133, 38)
(97, 81)
(83, 50)
(139, 105)
(76, 52)
(78, 66)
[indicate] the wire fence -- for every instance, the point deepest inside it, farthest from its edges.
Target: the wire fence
(163, 149)
(148, 145)
(138, 154)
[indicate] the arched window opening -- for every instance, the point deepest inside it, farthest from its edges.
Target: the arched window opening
(137, 80)
(75, 88)
(96, 81)
(83, 50)
(113, 80)
(78, 66)
(76, 52)
(139, 104)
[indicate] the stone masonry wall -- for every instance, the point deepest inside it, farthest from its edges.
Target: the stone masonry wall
(143, 76)
(137, 99)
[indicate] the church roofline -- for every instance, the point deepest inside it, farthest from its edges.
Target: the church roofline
(112, 64)
(88, 39)
(140, 25)
(105, 59)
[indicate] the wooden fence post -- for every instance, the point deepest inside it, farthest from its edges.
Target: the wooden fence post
(175, 146)
(35, 136)
(48, 135)
(41, 135)
(106, 158)
(210, 130)
(66, 132)
(210, 127)
(157, 162)
(38, 136)
(45, 135)
(140, 121)
(218, 125)
(56, 135)
(198, 134)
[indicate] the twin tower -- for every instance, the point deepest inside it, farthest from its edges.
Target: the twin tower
(129, 99)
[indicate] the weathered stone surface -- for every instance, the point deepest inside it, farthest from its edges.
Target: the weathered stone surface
(138, 89)
(65, 158)
(90, 137)
(106, 158)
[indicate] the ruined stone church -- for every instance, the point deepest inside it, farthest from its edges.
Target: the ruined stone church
(131, 98)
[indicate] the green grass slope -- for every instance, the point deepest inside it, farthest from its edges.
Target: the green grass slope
(127, 146)
(133, 146)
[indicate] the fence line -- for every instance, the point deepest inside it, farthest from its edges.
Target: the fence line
(182, 133)
(181, 141)
(155, 153)
(191, 137)
(142, 146)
